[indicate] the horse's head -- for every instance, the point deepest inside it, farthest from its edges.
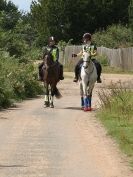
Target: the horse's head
(86, 59)
(48, 59)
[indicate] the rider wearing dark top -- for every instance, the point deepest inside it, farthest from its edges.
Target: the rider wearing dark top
(92, 49)
(54, 50)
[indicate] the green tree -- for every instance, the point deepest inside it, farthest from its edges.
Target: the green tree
(9, 15)
(131, 14)
(68, 19)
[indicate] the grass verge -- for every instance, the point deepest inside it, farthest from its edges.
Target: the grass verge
(116, 114)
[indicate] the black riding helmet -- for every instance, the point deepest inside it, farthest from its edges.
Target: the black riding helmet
(87, 36)
(52, 39)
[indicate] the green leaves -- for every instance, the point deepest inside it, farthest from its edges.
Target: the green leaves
(17, 81)
(115, 36)
(71, 19)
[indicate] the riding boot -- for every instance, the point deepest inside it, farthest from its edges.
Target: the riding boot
(61, 77)
(99, 70)
(76, 74)
(99, 80)
(77, 70)
(40, 72)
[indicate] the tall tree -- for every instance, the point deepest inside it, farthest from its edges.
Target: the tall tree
(131, 14)
(9, 14)
(70, 19)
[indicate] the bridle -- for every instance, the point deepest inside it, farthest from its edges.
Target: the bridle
(88, 62)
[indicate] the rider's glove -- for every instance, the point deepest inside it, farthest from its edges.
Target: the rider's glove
(74, 55)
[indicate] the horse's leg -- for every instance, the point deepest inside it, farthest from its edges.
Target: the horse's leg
(85, 95)
(46, 97)
(56, 92)
(51, 96)
(91, 86)
(81, 94)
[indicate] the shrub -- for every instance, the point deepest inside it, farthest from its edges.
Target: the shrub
(103, 60)
(17, 80)
(115, 36)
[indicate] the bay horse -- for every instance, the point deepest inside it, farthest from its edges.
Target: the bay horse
(87, 81)
(51, 71)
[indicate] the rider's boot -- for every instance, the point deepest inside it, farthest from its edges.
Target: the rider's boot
(99, 70)
(77, 71)
(40, 76)
(99, 80)
(61, 77)
(76, 76)
(75, 79)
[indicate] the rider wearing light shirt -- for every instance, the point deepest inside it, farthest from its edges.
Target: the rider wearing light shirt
(92, 49)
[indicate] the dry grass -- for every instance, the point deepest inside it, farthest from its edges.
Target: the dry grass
(117, 114)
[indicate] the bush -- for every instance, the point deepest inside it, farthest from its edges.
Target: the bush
(103, 60)
(115, 36)
(17, 80)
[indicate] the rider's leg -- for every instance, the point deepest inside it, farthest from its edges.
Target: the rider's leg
(99, 70)
(61, 77)
(40, 72)
(77, 70)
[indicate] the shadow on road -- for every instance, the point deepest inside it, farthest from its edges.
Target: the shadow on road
(79, 108)
(11, 166)
(73, 108)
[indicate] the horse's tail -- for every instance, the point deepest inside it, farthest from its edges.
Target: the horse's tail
(57, 93)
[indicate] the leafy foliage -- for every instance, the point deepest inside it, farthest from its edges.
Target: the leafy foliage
(70, 19)
(117, 114)
(17, 81)
(115, 36)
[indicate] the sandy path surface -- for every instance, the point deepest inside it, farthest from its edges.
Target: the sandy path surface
(59, 142)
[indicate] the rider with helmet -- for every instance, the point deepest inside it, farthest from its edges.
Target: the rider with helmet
(54, 50)
(92, 49)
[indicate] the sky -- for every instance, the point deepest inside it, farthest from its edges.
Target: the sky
(23, 5)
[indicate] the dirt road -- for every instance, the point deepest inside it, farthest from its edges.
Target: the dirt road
(59, 142)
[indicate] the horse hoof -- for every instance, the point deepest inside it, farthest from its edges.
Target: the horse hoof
(51, 106)
(85, 109)
(46, 106)
(89, 108)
